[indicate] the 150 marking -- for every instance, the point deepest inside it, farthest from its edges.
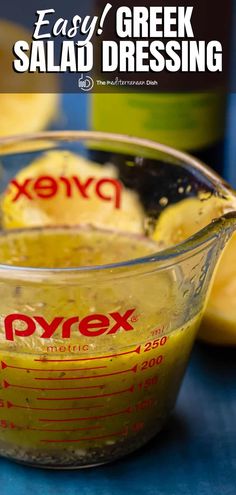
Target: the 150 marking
(149, 382)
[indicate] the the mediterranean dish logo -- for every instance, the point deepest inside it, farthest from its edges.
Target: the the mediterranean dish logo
(149, 39)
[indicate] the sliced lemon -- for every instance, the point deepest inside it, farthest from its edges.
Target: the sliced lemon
(178, 222)
(31, 101)
(76, 209)
(183, 219)
(219, 321)
(26, 113)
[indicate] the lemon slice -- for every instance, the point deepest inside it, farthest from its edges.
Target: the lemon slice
(75, 209)
(29, 105)
(219, 321)
(183, 219)
(180, 221)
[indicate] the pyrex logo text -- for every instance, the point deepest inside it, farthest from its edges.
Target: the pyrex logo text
(46, 187)
(90, 326)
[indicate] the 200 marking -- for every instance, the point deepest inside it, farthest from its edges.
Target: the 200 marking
(152, 362)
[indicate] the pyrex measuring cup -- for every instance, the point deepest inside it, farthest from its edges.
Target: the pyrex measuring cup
(97, 317)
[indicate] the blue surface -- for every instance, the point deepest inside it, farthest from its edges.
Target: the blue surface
(196, 453)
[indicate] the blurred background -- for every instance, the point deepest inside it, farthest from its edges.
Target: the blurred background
(74, 110)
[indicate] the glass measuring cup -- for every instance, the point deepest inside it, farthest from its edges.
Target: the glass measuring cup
(97, 319)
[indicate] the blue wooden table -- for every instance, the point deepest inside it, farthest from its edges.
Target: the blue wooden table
(195, 454)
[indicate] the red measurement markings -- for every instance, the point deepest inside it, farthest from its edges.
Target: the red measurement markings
(148, 382)
(128, 410)
(18, 406)
(7, 424)
(155, 343)
(6, 384)
(158, 331)
(118, 392)
(42, 360)
(5, 365)
(130, 370)
(61, 431)
(116, 434)
(144, 404)
(157, 361)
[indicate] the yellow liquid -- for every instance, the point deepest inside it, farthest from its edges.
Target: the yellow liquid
(84, 400)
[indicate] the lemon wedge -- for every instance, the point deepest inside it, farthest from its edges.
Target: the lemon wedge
(29, 105)
(71, 208)
(180, 221)
(219, 321)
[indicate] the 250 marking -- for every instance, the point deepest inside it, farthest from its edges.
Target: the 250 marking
(155, 343)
